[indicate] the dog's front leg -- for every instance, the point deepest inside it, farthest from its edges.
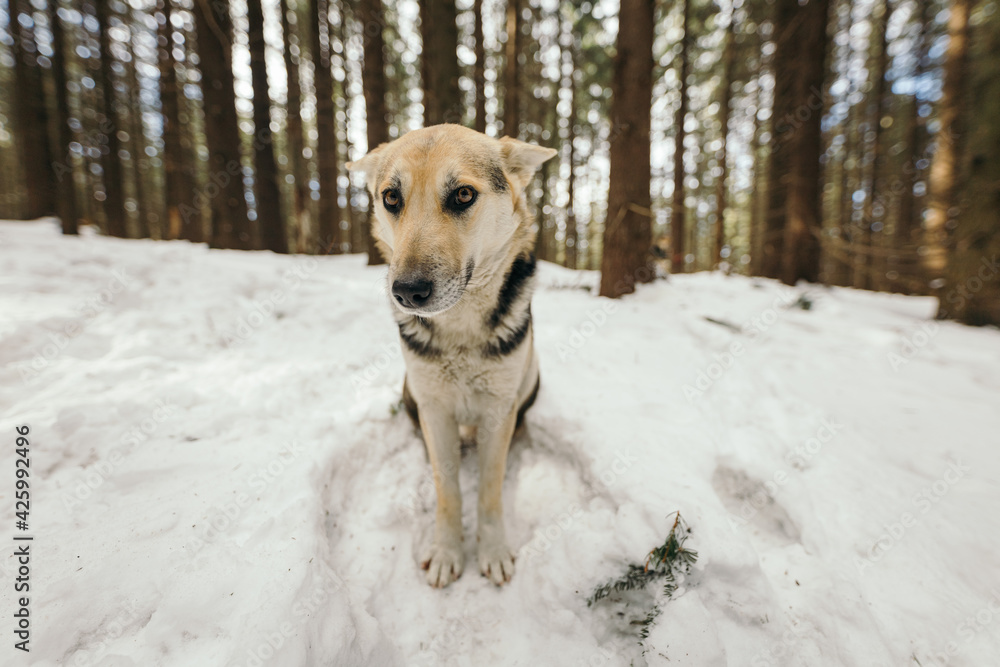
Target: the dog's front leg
(445, 558)
(496, 560)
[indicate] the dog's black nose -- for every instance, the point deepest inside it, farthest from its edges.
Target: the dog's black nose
(412, 293)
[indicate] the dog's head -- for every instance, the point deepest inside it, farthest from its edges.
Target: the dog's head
(446, 200)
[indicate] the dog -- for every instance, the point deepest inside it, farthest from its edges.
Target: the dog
(451, 220)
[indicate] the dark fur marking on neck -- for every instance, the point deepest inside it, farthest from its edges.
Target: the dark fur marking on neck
(469, 268)
(417, 346)
(504, 346)
(521, 270)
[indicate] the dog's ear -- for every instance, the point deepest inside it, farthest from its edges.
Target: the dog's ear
(521, 160)
(369, 164)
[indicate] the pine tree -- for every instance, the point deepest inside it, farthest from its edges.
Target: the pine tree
(114, 199)
(627, 227)
(224, 190)
(439, 62)
(374, 89)
(944, 168)
(63, 135)
(34, 156)
(297, 163)
(677, 211)
(326, 133)
(791, 241)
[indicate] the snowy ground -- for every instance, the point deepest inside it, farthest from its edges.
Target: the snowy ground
(220, 477)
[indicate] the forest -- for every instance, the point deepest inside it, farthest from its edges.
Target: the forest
(842, 142)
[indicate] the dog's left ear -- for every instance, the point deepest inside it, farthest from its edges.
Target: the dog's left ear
(369, 164)
(521, 159)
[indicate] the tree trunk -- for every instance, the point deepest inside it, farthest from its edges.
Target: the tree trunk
(944, 168)
(729, 60)
(908, 222)
(374, 88)
(791, 243)
(627, 229)
(572, 238)
(972, 295)
(479, 70)
(224, 189)
(62, 135)
(677, 211)
(114, 199)
(183, 218)
(512, 87)
(755, 194)
(267, 192)
(866, 264)
(326, 133)
(144, 217)
(439, 62)
(34, 153)
(297, 165)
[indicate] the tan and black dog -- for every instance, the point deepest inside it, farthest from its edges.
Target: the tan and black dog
(450, 218)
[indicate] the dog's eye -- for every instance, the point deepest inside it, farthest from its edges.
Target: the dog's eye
(462, 198)
(392, 200)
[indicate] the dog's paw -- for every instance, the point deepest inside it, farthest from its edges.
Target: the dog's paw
(496, 561)
(444, 564)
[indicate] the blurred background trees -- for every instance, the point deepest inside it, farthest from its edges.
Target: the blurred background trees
(849, 142)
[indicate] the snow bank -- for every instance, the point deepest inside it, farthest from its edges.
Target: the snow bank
(221, 476)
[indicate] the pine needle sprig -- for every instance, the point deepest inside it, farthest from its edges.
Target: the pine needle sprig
(663, 562)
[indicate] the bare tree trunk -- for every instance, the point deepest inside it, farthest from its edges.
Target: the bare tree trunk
(866, 270)
(944, 168)
(34, 154)
(627, 229)
(270, 220)
(479, 70)
(183, 218)
(572, 238)
(439, 63)
(791, 243)
(63, 135)
(729, 60)
(326, 133)
(293, 125)
(512, 88)
(114, 200)
(907, 222)
(972, 294)
(374, 88)
(755, 194)
(144, 217)
(224, 190)
(677, 211)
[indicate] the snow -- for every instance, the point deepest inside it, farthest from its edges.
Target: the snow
(221, 477)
